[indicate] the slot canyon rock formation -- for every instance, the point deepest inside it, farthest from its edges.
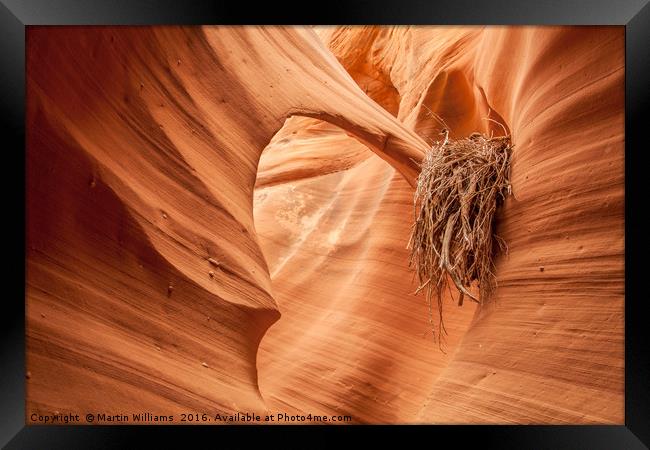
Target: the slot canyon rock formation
(217, 220)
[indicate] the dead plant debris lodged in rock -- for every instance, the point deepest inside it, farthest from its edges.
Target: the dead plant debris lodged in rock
(460, 186)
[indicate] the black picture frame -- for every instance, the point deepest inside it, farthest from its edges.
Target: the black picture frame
(15, 15)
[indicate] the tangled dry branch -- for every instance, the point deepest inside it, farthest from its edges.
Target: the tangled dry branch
(460, 186)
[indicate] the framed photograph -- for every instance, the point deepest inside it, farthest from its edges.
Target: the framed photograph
(420, 217)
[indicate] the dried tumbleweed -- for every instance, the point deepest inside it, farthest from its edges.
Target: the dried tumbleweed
(460, 186)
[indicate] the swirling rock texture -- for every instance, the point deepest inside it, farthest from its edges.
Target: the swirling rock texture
(217, 221)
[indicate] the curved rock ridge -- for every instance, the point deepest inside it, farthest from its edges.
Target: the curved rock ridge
(146, 285)
(162, 244)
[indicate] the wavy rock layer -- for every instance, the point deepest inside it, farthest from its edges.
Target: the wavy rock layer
(548, 348)
(151, 283)
(146, 286)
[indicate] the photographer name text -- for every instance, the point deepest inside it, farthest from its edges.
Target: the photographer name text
(186, 418)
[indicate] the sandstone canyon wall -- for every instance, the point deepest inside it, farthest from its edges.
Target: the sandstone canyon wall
(172, 269)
